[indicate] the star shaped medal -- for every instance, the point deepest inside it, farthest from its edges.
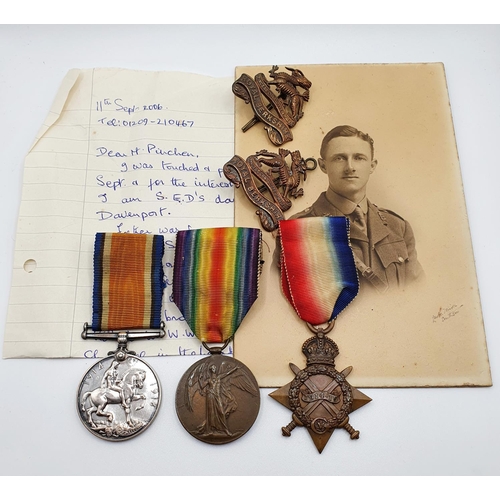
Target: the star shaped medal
(319, 279)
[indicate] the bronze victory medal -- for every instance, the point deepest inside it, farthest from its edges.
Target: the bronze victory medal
(216, 277)
(217, 399)
(119, 397)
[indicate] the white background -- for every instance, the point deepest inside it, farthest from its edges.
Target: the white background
(403, 431)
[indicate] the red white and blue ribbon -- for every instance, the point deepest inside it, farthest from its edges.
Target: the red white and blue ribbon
(318, 273)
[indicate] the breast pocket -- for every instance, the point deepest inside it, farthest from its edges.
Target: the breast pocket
(393, 252)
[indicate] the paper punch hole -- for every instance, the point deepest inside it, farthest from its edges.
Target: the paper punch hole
(30, 265)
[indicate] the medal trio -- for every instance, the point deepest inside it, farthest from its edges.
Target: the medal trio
(120, 395)
(216, 274)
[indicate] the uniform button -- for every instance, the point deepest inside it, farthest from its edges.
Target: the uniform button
(401, 259)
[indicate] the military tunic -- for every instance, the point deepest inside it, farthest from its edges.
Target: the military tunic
(385, 254)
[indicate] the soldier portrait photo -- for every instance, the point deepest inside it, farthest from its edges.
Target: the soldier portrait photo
(386, 158)
(383, 242)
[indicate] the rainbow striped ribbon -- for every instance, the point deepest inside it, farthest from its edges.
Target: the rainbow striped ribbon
(216, 275)
(318, 273)
(128, 281)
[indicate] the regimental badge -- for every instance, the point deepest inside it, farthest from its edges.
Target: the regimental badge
(269, 181)
(279, 110)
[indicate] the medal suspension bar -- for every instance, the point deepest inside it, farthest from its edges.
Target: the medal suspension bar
(123, 336)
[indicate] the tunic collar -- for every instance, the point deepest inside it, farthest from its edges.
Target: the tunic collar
(344, 205)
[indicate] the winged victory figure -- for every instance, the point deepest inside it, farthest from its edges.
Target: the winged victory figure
(215, 384)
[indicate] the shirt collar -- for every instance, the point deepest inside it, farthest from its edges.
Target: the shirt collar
(344, 205)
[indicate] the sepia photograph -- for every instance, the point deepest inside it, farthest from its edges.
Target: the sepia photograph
(382, 241)
(383, 141)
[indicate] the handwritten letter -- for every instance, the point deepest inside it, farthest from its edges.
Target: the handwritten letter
(121, 151)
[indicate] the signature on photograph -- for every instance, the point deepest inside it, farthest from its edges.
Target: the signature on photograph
(446, 313)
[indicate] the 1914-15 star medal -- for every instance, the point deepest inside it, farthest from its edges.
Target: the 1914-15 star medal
(319, 396)
(318, 278)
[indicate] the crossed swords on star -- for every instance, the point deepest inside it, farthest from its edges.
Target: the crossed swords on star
(309, 408)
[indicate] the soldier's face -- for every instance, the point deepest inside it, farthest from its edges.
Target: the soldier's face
(348, 163)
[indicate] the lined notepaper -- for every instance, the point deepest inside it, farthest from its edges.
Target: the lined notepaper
(120, 151)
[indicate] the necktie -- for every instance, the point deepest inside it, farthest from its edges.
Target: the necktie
(358, 219)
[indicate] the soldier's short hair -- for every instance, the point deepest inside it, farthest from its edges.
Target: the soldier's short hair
(345, 131)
